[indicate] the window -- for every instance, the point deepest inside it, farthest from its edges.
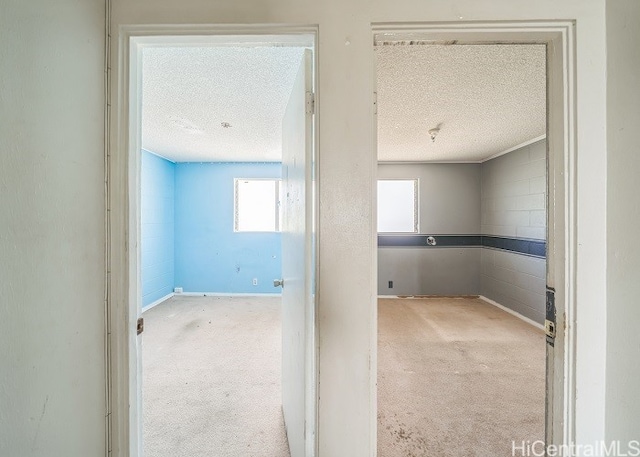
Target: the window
(398, 206)
(257, 205)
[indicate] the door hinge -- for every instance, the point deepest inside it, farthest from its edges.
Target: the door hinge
(310, 103)
(375, 103)
(550, 317)
(140, 326)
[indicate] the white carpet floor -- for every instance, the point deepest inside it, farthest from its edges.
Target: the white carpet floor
(211, 378)
(456, 377)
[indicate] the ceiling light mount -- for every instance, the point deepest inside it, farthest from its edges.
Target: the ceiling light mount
(433, 133)
(225, 125)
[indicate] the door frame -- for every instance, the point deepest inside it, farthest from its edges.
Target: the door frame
(123, 297)
(559, 37)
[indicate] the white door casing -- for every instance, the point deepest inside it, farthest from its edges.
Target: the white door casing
(124, 431)
(558, 36)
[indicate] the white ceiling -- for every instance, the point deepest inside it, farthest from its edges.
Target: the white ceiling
(485, 99)
(188, 92)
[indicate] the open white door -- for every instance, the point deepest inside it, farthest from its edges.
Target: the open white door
(298, 265)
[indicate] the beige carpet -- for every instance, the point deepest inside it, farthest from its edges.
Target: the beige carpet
(457, 377)
(211, 378)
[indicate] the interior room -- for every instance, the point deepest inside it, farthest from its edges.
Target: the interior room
(462, 213)
(66, 371)
(211, 248)
(461, 257)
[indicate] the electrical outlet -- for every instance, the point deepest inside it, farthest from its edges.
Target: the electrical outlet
(390, 284)
(255, 281)
(177, 290)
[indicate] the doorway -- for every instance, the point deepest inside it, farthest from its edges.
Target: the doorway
(551, 407)
(294, 206)
(561, 137)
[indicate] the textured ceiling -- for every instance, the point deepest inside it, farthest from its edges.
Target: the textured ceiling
(189, 92)
(485, 99)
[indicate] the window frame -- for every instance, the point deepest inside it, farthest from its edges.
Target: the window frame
(278, 205)
(416, 206)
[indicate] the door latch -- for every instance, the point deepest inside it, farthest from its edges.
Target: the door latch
(550, 318)
(278, 283)
(550, 328)
(140, 326)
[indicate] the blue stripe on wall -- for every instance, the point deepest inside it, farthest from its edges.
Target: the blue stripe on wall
(157, 227)
(421, 240)
(209, 255)
(536, 248)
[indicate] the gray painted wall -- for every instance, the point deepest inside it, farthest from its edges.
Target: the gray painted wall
(449, 205)
(514, 193)
(449, 195)
(429, 271)
(513, 204)
(514, 280)
(505, 196)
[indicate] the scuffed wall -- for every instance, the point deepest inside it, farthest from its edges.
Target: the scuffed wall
(52, 237)
(623, 219)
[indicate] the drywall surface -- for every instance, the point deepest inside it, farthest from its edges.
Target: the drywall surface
(157, 227)
(52, 237)
(513, 205)
(209, 255)
(347, 174)
(449, 204)
(623, 219)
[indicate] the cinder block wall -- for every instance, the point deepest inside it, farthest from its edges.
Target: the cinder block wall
(513, 199)
(449, 198)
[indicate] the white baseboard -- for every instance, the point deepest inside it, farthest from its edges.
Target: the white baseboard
(419, 297)
(157, 302)
(222, 294)
(515, 313)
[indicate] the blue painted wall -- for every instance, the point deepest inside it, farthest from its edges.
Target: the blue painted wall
(209, 255)
(157, 227)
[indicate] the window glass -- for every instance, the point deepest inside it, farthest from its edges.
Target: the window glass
(257, 205)
(398, 206)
